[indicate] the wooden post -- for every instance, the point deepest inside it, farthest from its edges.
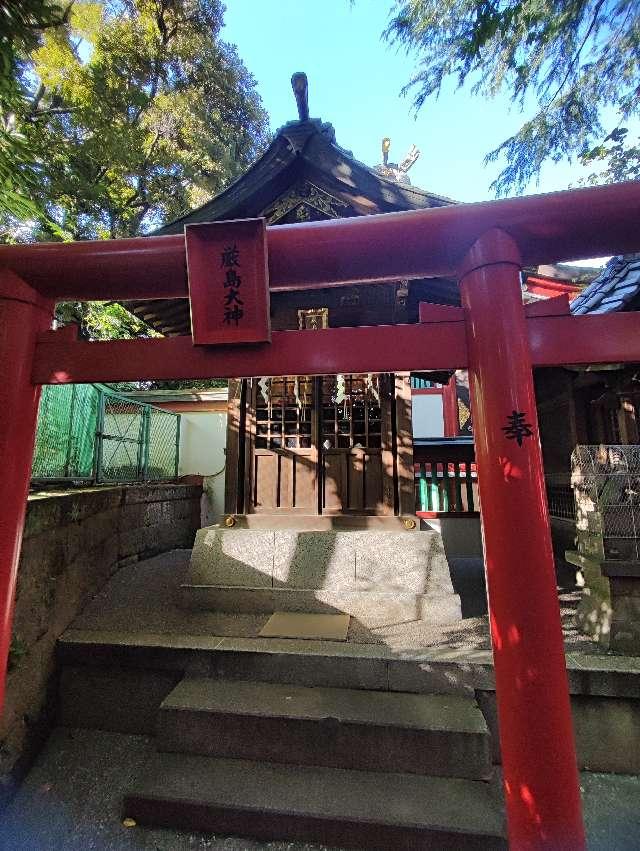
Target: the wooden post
(23, 314)
(404, 445)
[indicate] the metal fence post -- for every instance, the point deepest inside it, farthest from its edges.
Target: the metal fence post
(67, 460)
(177, 464)
(98, 445)
(146, 416)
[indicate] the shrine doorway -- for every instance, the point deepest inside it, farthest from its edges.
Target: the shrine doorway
(320, 445)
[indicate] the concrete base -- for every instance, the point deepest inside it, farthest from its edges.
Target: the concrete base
(461, 536)
(605, 690)
(624, 581)
(377, 577)
(371, 608)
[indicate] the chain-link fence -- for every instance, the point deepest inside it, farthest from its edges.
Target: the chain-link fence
(606, 485)
(90, 433)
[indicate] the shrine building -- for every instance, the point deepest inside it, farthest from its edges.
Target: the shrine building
(327, 445)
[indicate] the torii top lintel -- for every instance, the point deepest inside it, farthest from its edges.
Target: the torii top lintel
(419, 243)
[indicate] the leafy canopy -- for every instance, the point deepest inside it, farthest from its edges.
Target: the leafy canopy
(20, 27)
(136, 111)
(576, 57)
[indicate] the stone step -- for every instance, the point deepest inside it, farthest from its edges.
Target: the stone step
(438, 735)
(375, 667)
(372, 608)
(335, 807)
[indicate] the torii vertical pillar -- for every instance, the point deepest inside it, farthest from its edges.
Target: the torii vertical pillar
(23, 315)
(541, 782)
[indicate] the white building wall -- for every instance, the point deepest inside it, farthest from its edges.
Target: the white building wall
(427, 414)
(203, 437)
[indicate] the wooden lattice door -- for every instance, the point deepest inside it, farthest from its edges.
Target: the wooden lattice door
(356, 445)
(283, 455)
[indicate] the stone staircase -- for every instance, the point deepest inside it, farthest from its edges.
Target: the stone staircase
(299, 741)
(343, 767)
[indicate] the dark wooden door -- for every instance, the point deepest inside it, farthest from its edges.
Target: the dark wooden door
(282, 451)
(356, 444)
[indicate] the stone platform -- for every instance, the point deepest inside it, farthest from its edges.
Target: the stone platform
(379, 577)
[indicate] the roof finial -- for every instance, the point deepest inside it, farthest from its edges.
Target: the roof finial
(300, 90)
(386, 146)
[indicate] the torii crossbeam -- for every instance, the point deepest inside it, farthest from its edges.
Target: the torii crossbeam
(484, 245)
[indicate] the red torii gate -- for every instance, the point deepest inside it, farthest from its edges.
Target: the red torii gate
(485, 245)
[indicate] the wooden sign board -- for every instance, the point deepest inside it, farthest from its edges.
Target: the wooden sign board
(228, 282)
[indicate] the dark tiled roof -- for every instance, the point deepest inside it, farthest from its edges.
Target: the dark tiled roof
(613, 289)
(307, 149)
(301, 153)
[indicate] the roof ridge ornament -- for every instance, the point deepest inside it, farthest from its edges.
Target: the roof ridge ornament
(393, 170)
(300, 87)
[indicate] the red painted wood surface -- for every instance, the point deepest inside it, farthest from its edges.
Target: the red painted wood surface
(228, 282)
(548, 287)
(558, 226)
(554, 340)
(450, 408)
(23, 314)
(556, 306)
(541, 784)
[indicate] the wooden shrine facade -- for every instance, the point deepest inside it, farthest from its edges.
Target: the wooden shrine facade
(320, 445)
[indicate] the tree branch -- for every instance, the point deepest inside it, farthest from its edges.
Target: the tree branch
(576, 58)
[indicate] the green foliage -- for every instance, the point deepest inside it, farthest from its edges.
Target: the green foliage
(188, 384)
(21, 25)
(576, 57)
(137, 112)
(620, 160)
(103, 320)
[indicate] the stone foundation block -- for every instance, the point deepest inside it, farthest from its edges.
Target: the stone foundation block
(235, 558)
(315, 560)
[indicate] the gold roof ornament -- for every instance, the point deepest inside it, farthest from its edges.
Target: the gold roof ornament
(386, 147)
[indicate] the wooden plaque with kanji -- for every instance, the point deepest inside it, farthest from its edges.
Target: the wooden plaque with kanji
(228, 282)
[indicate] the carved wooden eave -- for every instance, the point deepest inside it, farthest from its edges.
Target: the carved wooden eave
(302, 176)
(306, 202)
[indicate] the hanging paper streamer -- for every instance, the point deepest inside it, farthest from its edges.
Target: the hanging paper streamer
(371, 387)
(296, 393)
(263, 384)
(341, 390)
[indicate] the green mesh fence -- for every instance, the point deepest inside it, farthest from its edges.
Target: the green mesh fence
(66, 432)
(90, 433)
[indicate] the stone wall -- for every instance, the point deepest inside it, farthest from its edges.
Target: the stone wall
(73, 542)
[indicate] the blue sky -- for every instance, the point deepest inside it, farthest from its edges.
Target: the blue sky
(355, 81)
